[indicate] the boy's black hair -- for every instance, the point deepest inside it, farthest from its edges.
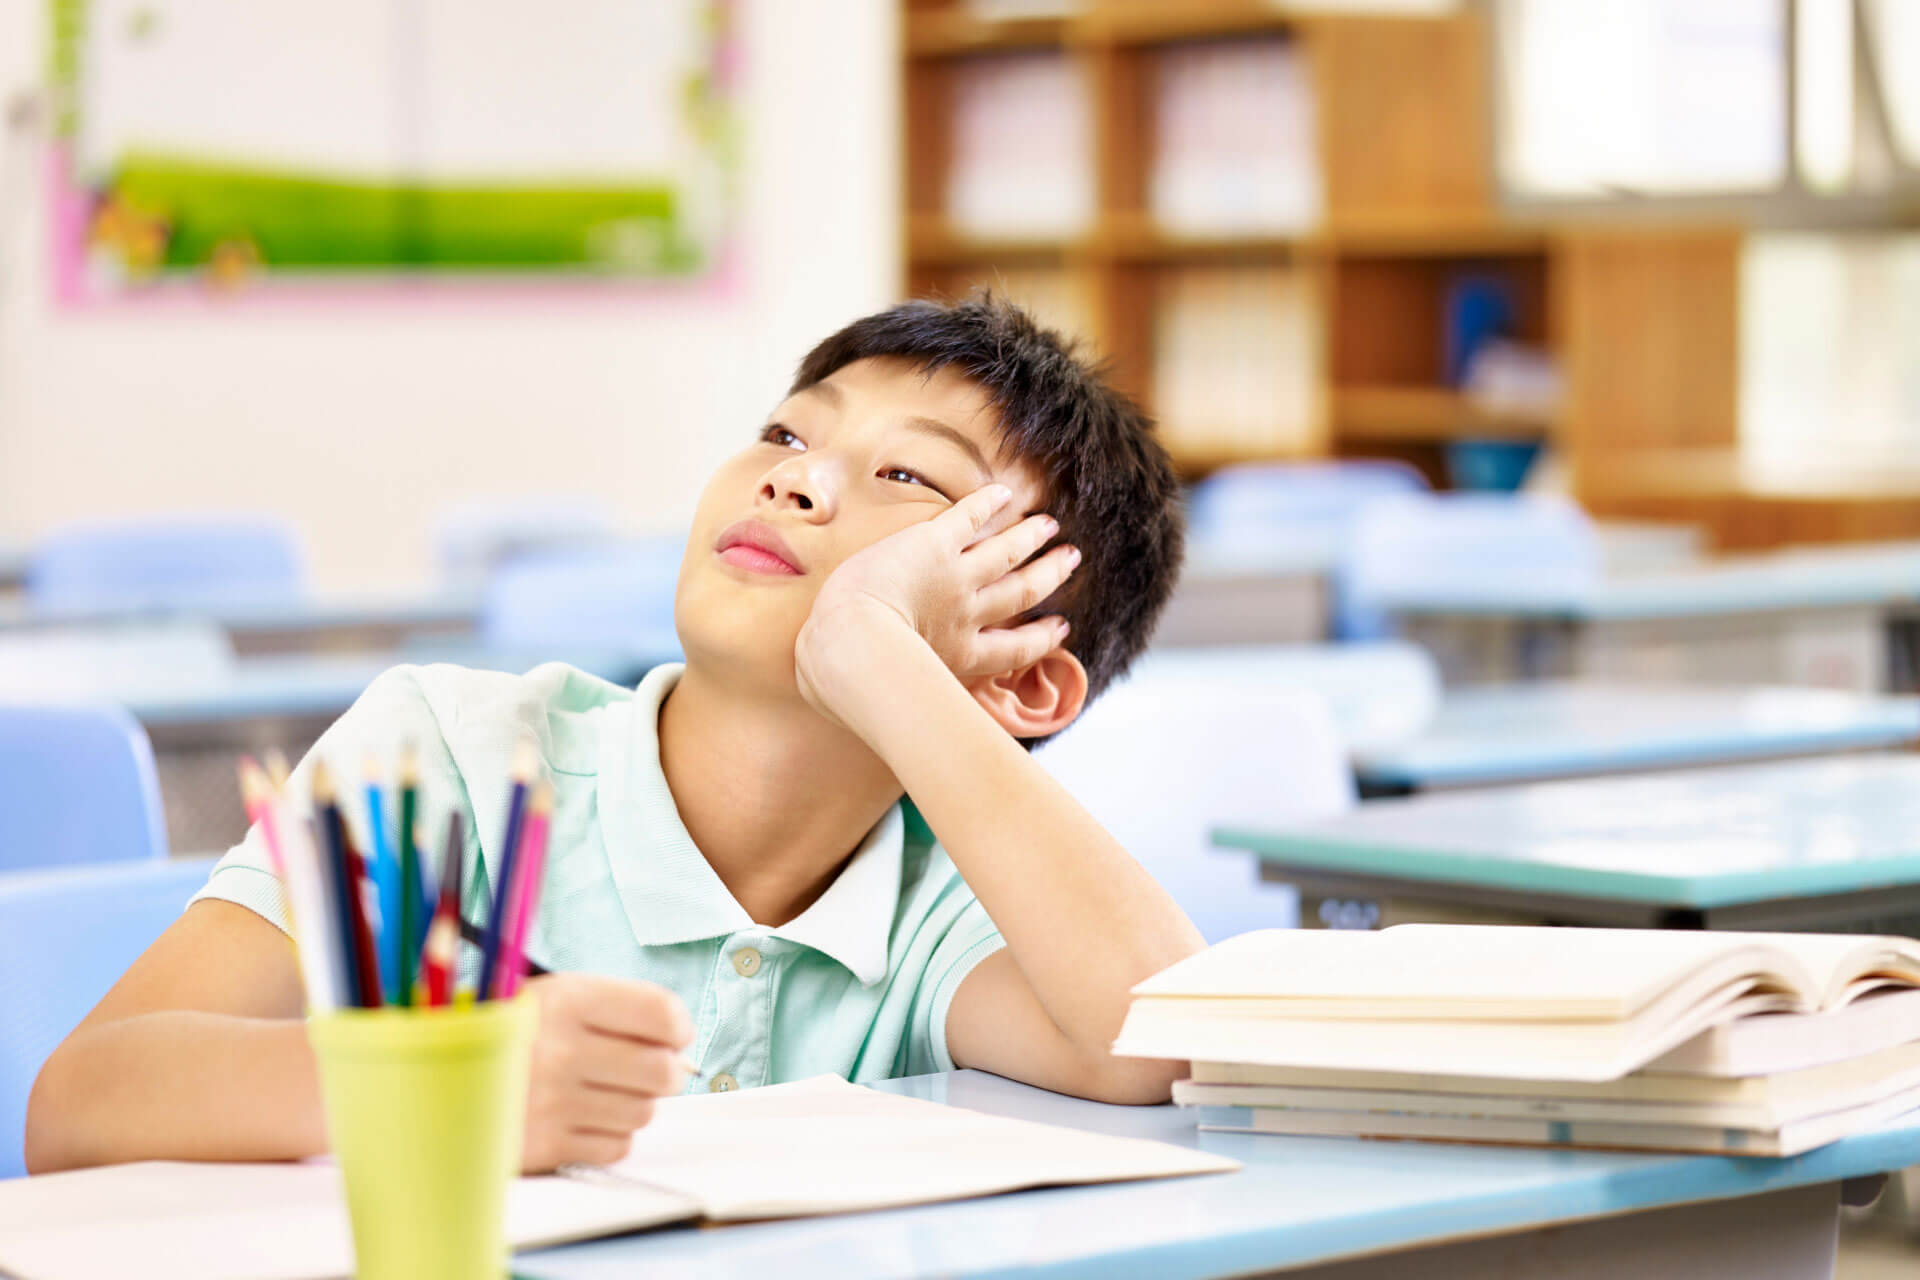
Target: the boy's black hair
(1108, 481)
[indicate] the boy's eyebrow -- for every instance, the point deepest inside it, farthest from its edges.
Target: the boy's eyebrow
(935, 427)
(928, 426)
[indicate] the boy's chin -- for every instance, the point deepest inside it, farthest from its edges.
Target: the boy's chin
(757, 655)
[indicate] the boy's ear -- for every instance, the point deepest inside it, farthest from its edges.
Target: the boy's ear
(1041, 698)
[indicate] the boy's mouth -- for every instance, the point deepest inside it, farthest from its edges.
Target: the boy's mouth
(755, 547)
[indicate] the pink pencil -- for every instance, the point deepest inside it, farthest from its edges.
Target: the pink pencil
(256, 794)
(526, 893)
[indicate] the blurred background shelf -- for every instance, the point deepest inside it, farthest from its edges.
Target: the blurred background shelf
(1428, 413)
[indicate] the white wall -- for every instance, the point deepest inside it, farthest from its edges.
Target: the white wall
(358, 425)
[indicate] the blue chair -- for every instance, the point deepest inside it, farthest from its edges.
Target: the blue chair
(473, 539)
(1451, 543)
(1311, 503)
(616, 597)
(77, 785)
(66, 936)
(164, 564)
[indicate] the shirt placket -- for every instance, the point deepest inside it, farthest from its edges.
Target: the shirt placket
(743, 985)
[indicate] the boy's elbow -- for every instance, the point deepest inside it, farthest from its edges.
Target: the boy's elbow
(1131, 1082)
(50, 1146)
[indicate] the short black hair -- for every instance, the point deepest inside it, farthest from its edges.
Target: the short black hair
(1108, 481)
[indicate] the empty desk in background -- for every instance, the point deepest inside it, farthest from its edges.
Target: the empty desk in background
(1547, 729)
(356, 623)
(1841, 617)
(1277, 591)
(1339, 1209)
(1800, 844)
(200, 726)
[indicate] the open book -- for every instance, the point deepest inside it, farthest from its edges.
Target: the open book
(813, 1146)
(1503, 1001)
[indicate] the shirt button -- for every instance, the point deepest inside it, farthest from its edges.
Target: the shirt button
(746, 962)
(722, 1083)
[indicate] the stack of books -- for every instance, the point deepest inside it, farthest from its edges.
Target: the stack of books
(1022, 160)
(1236, 359)
(1739, 1043)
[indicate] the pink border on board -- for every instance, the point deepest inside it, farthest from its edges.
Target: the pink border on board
(70, 209)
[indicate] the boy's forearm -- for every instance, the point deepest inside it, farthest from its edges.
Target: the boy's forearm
(1083, 920)
(177, 1085)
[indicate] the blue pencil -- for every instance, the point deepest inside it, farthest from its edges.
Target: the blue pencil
(385, 870)
(523, 767)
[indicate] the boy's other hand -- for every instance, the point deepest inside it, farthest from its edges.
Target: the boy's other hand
(952, 581)
(606, 1048)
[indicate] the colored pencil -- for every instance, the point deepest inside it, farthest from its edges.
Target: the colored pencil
(526, 891)
(441, 951)
(406, 938)
(256, 797)
(270, 809)
(344, 887)
(383, 870)
(321, 959)
(524, 762)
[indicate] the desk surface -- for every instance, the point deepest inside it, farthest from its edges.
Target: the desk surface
(433, 609)
(1511, 733)
(1697, 840)
(1867, 576)
(303, 685)
(1298, 1201)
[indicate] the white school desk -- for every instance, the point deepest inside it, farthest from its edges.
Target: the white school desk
(199, 726)
(1547, 729)
(1836, 616)
(1800, 844)
(340, 622)
(1335, 1209)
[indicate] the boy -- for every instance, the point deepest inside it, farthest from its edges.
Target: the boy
(868, 613)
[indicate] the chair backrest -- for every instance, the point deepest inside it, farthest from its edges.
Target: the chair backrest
(164, 564)
(112, 661)
(77, 785)
(1161, 761)
(613, 597)
(66, 936)
(1381, 694)
(473, 539)
(1421, 543)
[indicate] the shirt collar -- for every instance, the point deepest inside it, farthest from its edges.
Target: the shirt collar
(669, 891)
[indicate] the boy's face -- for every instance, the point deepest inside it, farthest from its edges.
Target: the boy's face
(874, 448)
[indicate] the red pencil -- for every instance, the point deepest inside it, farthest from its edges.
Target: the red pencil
(442, 950)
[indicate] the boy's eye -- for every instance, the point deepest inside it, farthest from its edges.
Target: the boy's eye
(777, 434)
(903, 476)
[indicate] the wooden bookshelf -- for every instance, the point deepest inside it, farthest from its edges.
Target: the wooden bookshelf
(1641, 322)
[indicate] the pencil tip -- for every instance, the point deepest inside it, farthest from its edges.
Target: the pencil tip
(322, 782)
(277, 770)
(526, 758)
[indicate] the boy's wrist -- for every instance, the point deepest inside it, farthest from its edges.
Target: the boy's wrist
(853, 669)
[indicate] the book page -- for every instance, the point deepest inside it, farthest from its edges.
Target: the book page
(826, 1146)
(1444, 971)
(166, 1220)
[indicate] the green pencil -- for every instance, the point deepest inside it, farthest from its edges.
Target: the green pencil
(407, 950)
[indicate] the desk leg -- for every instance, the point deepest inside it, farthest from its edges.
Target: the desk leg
(1783, 1235)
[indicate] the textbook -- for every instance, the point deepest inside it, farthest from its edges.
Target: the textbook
(809, 1147)
(1763, 1102)
(1788, 1140)
(1489, 1000)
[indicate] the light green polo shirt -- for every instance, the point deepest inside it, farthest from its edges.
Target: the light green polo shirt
(858, 984)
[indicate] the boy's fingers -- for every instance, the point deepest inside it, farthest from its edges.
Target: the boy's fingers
(611, 1110)
(967, 518)
(615, 1062)
(998, 649)
(638, 1010)
(1025, 587)
(999, 554)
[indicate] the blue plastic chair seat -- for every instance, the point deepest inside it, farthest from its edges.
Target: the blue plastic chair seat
(77, 785)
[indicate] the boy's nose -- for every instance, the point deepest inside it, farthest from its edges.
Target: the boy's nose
(797, 486)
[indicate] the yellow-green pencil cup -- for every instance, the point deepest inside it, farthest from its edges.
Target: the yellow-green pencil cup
(425, 1109)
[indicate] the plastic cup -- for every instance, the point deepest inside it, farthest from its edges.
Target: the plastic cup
(425, 1109)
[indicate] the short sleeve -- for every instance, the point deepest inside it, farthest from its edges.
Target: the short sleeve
(971, 938)
(393, 710)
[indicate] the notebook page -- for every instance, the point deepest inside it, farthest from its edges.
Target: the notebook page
(1471, 970)
(164, 1220)
(826, 1146)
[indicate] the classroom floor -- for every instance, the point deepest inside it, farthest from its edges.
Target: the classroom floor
(1881, 1245)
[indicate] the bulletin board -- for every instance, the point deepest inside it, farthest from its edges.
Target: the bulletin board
(242, 148)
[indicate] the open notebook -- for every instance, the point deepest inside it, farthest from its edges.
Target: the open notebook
(1503, 1001)
(810, 1147)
